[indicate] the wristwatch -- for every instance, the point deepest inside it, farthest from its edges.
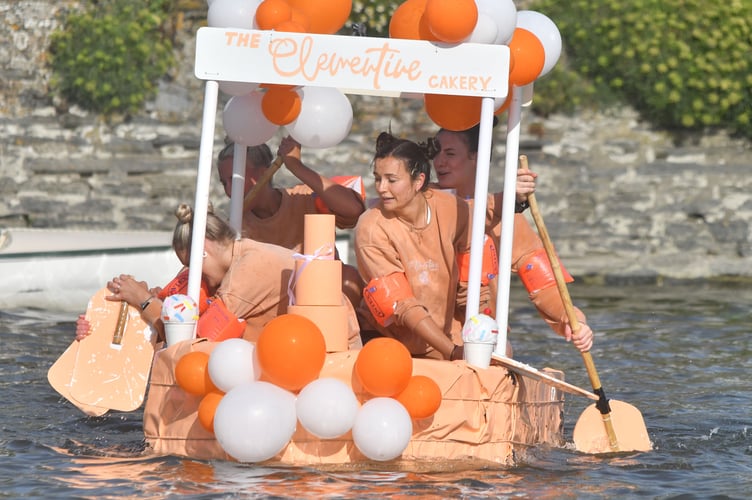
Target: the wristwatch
(146, 303)
(520, 207)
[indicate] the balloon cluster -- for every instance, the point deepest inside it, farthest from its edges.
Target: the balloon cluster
(384, 368)
(322, 117)
(534, 43)
(315, 117)
(253, 395)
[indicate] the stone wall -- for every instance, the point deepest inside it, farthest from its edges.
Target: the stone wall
(621, 201)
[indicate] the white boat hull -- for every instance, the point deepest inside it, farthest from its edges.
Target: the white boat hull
(61, 269)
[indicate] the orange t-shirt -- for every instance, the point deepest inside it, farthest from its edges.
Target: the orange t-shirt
(285, 228)
(255, 286)
(525, 242)
(427, 256)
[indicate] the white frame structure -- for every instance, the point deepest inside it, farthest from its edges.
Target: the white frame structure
(364, 65)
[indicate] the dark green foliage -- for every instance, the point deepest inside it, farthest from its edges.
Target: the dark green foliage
(375, 14)
(683, 64)
(110, 57)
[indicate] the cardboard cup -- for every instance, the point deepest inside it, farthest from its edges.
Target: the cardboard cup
(478, 355)
(177, 331)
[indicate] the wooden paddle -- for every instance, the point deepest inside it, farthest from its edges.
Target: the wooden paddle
(109, 369)
(263, 181)
(622, 427)
(532, 372)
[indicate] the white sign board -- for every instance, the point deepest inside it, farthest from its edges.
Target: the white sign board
(384, 66)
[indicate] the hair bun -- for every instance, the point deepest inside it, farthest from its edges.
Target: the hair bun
(430, 148)
(385, 142)
(184, 213)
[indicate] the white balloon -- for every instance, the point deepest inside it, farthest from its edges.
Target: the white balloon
(485, 30)
(245, 122)
(233, 363)
(237, 88)
(232, 13)
(503, 13)
(325, 118)
(327, 408)
(546, 31)
(255, 421)
(382, 429)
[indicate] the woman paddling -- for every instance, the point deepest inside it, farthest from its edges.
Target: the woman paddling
(455, 166)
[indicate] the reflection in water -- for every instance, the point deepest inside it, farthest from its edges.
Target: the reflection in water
(680, 354)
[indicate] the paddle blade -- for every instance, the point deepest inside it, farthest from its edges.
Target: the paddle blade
(113, 363)
(60, 377)
(631, 434)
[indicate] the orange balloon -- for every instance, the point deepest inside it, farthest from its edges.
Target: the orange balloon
(405, 21)
(453, 112)
(421, 397)
(207, 408)
(290, 27)
(528, 55)
(192, 373)
(326, 16)
(424, 30)
(451, 21)
(291, 351)
(300, 18)
(277, 86)
(270, 13)
(384, 367)
(281, 106)
(504, 106)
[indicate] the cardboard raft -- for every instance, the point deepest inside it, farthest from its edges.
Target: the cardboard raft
(485, 416)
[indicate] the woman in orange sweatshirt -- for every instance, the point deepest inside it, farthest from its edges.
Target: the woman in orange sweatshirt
(408, 249)
(455, 166)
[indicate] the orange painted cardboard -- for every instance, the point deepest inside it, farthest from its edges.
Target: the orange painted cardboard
(59, 377)
(331, 320)
(111, 366)
(318, 282)
(318, 235)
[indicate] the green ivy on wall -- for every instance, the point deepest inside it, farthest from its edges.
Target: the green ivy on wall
(109, 57)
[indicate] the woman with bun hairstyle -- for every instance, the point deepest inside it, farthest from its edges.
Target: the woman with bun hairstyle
(248, 279)
(244, 283)
(408, 247)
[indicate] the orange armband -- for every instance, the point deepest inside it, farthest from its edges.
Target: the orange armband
(536, 272)
(382, 295)
(489, 266)
(218, 323)
(179, 285)
(354, 182)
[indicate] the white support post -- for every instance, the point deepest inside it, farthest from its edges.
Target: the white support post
(479, 207)
(201, 204)
(238, 186)
(507, 218)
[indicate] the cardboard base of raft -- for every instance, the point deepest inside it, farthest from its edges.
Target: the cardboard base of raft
(486, 417)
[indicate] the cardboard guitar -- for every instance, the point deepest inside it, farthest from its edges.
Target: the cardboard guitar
(109, 369)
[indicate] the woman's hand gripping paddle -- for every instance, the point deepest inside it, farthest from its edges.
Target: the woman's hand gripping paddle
(109, 369)
(608, 425)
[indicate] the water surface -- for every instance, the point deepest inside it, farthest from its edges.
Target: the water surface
(681, 354)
